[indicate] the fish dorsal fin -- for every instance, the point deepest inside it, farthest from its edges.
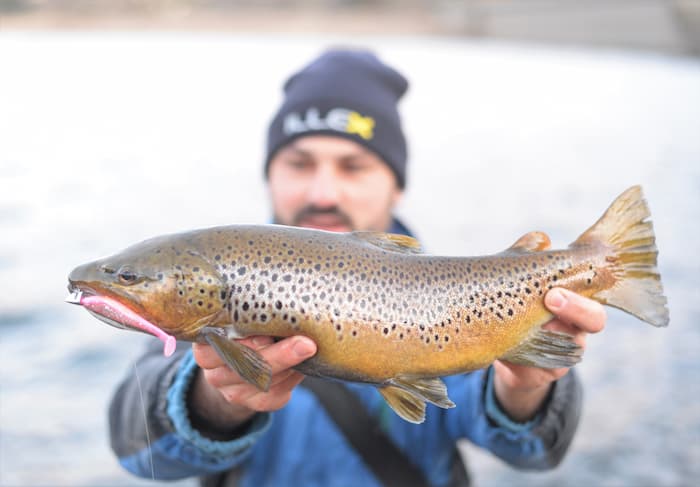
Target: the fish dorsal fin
(531, 242)
(546, 349)
(391, 241)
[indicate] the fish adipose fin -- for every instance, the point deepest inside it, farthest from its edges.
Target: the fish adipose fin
(637, 289)
(391, 242)
(244, 360)
(407, 396)
(546, 349)
(531, 242)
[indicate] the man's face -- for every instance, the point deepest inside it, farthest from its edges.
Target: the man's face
(331, 183)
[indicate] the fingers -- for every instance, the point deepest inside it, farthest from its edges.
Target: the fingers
(207, 358)
(281, 356)
(288, 352)
(582, 313)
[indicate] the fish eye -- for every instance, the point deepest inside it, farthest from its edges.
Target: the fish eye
(127, 276)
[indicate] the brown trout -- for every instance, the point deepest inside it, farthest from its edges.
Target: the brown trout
(380, 311)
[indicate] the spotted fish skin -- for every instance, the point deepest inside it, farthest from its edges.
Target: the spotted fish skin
(380, 311)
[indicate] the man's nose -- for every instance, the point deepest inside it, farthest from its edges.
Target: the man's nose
(325, 189)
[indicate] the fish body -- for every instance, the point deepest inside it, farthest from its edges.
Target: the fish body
(379, 310)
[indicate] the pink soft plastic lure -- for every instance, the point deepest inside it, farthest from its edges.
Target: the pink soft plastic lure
(117, 312)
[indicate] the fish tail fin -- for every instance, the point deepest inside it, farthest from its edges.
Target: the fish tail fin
(624, 227)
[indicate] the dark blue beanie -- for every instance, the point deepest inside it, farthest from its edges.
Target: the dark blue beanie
(349, 93)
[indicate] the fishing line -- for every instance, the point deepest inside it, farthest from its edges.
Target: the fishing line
(145, 422)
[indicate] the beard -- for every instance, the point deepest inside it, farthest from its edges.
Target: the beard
(311, 213)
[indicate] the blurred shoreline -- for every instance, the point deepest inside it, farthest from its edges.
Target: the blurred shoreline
(662, 26)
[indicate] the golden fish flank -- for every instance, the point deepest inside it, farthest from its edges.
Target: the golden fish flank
(380, 311)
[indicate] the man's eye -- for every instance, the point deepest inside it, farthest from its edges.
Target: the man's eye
(353, 167)
(299, 165)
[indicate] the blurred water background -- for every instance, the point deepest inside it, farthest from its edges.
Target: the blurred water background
(109, 138)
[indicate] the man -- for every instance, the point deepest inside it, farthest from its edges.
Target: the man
(336, 160)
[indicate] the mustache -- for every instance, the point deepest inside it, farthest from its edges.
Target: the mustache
(311, 211)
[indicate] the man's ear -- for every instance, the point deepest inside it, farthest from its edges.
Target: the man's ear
(396, 197)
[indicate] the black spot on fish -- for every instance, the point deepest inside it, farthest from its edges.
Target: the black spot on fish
(217, 257)
(246, 306)
(200, 303)
(241, 270)
(195, 269)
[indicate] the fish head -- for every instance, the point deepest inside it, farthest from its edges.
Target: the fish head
(167, 284)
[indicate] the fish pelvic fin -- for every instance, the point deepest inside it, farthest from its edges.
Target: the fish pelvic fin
(407, 396)
(625, 228)
(243, 360)
(546, 349)
(432, 390)
(404, 403)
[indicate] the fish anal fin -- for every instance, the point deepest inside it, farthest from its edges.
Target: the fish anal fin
(245, 361)
(546, 349)
(432, 390)
(531, 242)
(404, 403)
(391, 242)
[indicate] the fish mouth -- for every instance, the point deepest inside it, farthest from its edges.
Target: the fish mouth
(116, 314)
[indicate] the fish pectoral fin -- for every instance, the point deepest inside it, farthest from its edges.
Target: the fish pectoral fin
(432, 390)
(546, 349)
(404, 403)
(391, 242)
(243, 360)
(531, 242)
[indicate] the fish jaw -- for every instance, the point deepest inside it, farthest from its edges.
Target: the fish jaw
(116, 314)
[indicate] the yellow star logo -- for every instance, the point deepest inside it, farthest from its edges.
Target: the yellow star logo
(362, 126)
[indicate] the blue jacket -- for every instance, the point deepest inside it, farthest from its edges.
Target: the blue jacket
(300, 445)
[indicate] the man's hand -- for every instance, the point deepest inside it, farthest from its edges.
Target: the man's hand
(225, 400)
(520, 390)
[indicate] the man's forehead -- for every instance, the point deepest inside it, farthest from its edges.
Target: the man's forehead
(327, 146)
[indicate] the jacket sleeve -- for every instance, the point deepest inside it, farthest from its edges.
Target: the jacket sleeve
(150, 431)
(538, 444)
